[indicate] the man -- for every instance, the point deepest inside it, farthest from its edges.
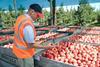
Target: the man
(25, 34)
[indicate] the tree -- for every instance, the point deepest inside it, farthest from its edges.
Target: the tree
(83, 2)
(98, 15)
(21, 10)
(60, 15)
(84, 14)
(10, 8)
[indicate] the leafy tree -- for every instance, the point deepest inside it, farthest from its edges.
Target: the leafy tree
(98, 15)
(60, 15)
(44, 21)
(21, 10)
(84, 14)
(10, 8)
(46, 16)
(7, 17)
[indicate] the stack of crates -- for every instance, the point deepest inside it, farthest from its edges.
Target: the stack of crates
(8, 57)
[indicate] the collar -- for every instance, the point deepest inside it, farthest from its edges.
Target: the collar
(28, 16)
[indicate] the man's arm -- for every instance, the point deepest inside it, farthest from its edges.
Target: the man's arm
(37, 45)
(29, 38)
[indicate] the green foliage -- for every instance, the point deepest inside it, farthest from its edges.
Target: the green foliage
(98, 15)
(81, 2)
(85, 13)
(60, 15)
(10, 8)
(21, 10)
(7, 17)
(44, 21)
(63, 17)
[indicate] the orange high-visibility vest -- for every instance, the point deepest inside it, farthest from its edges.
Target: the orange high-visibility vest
(20, 45)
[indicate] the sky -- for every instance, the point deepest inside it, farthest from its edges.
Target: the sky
(44, 3)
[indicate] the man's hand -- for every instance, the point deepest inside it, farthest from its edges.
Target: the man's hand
(38, 43)
(39, 46)
(50, 46)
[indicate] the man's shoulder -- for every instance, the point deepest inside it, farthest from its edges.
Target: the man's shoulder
(21, 17)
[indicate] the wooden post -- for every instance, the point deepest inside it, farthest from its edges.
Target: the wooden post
(54, 13)
(14, 3)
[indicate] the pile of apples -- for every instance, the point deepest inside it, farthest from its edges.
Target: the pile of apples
(98, 48)
(8, 45)
(46, 35)
(86, 38)
(43, 28)
(43, 38)
(67, 29)
(3, 38)
(95, 28)
(63, 29)
(49, 36)
(56, 36)
(91, 31)
(71, 29)
(6, 30)
(76, 54)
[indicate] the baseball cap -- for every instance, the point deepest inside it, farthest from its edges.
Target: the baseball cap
(37, 8)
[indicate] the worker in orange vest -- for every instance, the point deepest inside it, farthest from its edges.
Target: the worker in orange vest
(25, 33)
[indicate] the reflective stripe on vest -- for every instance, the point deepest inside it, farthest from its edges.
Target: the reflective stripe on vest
(20, 47)
(21, 39)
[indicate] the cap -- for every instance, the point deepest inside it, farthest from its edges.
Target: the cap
(37, 8)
